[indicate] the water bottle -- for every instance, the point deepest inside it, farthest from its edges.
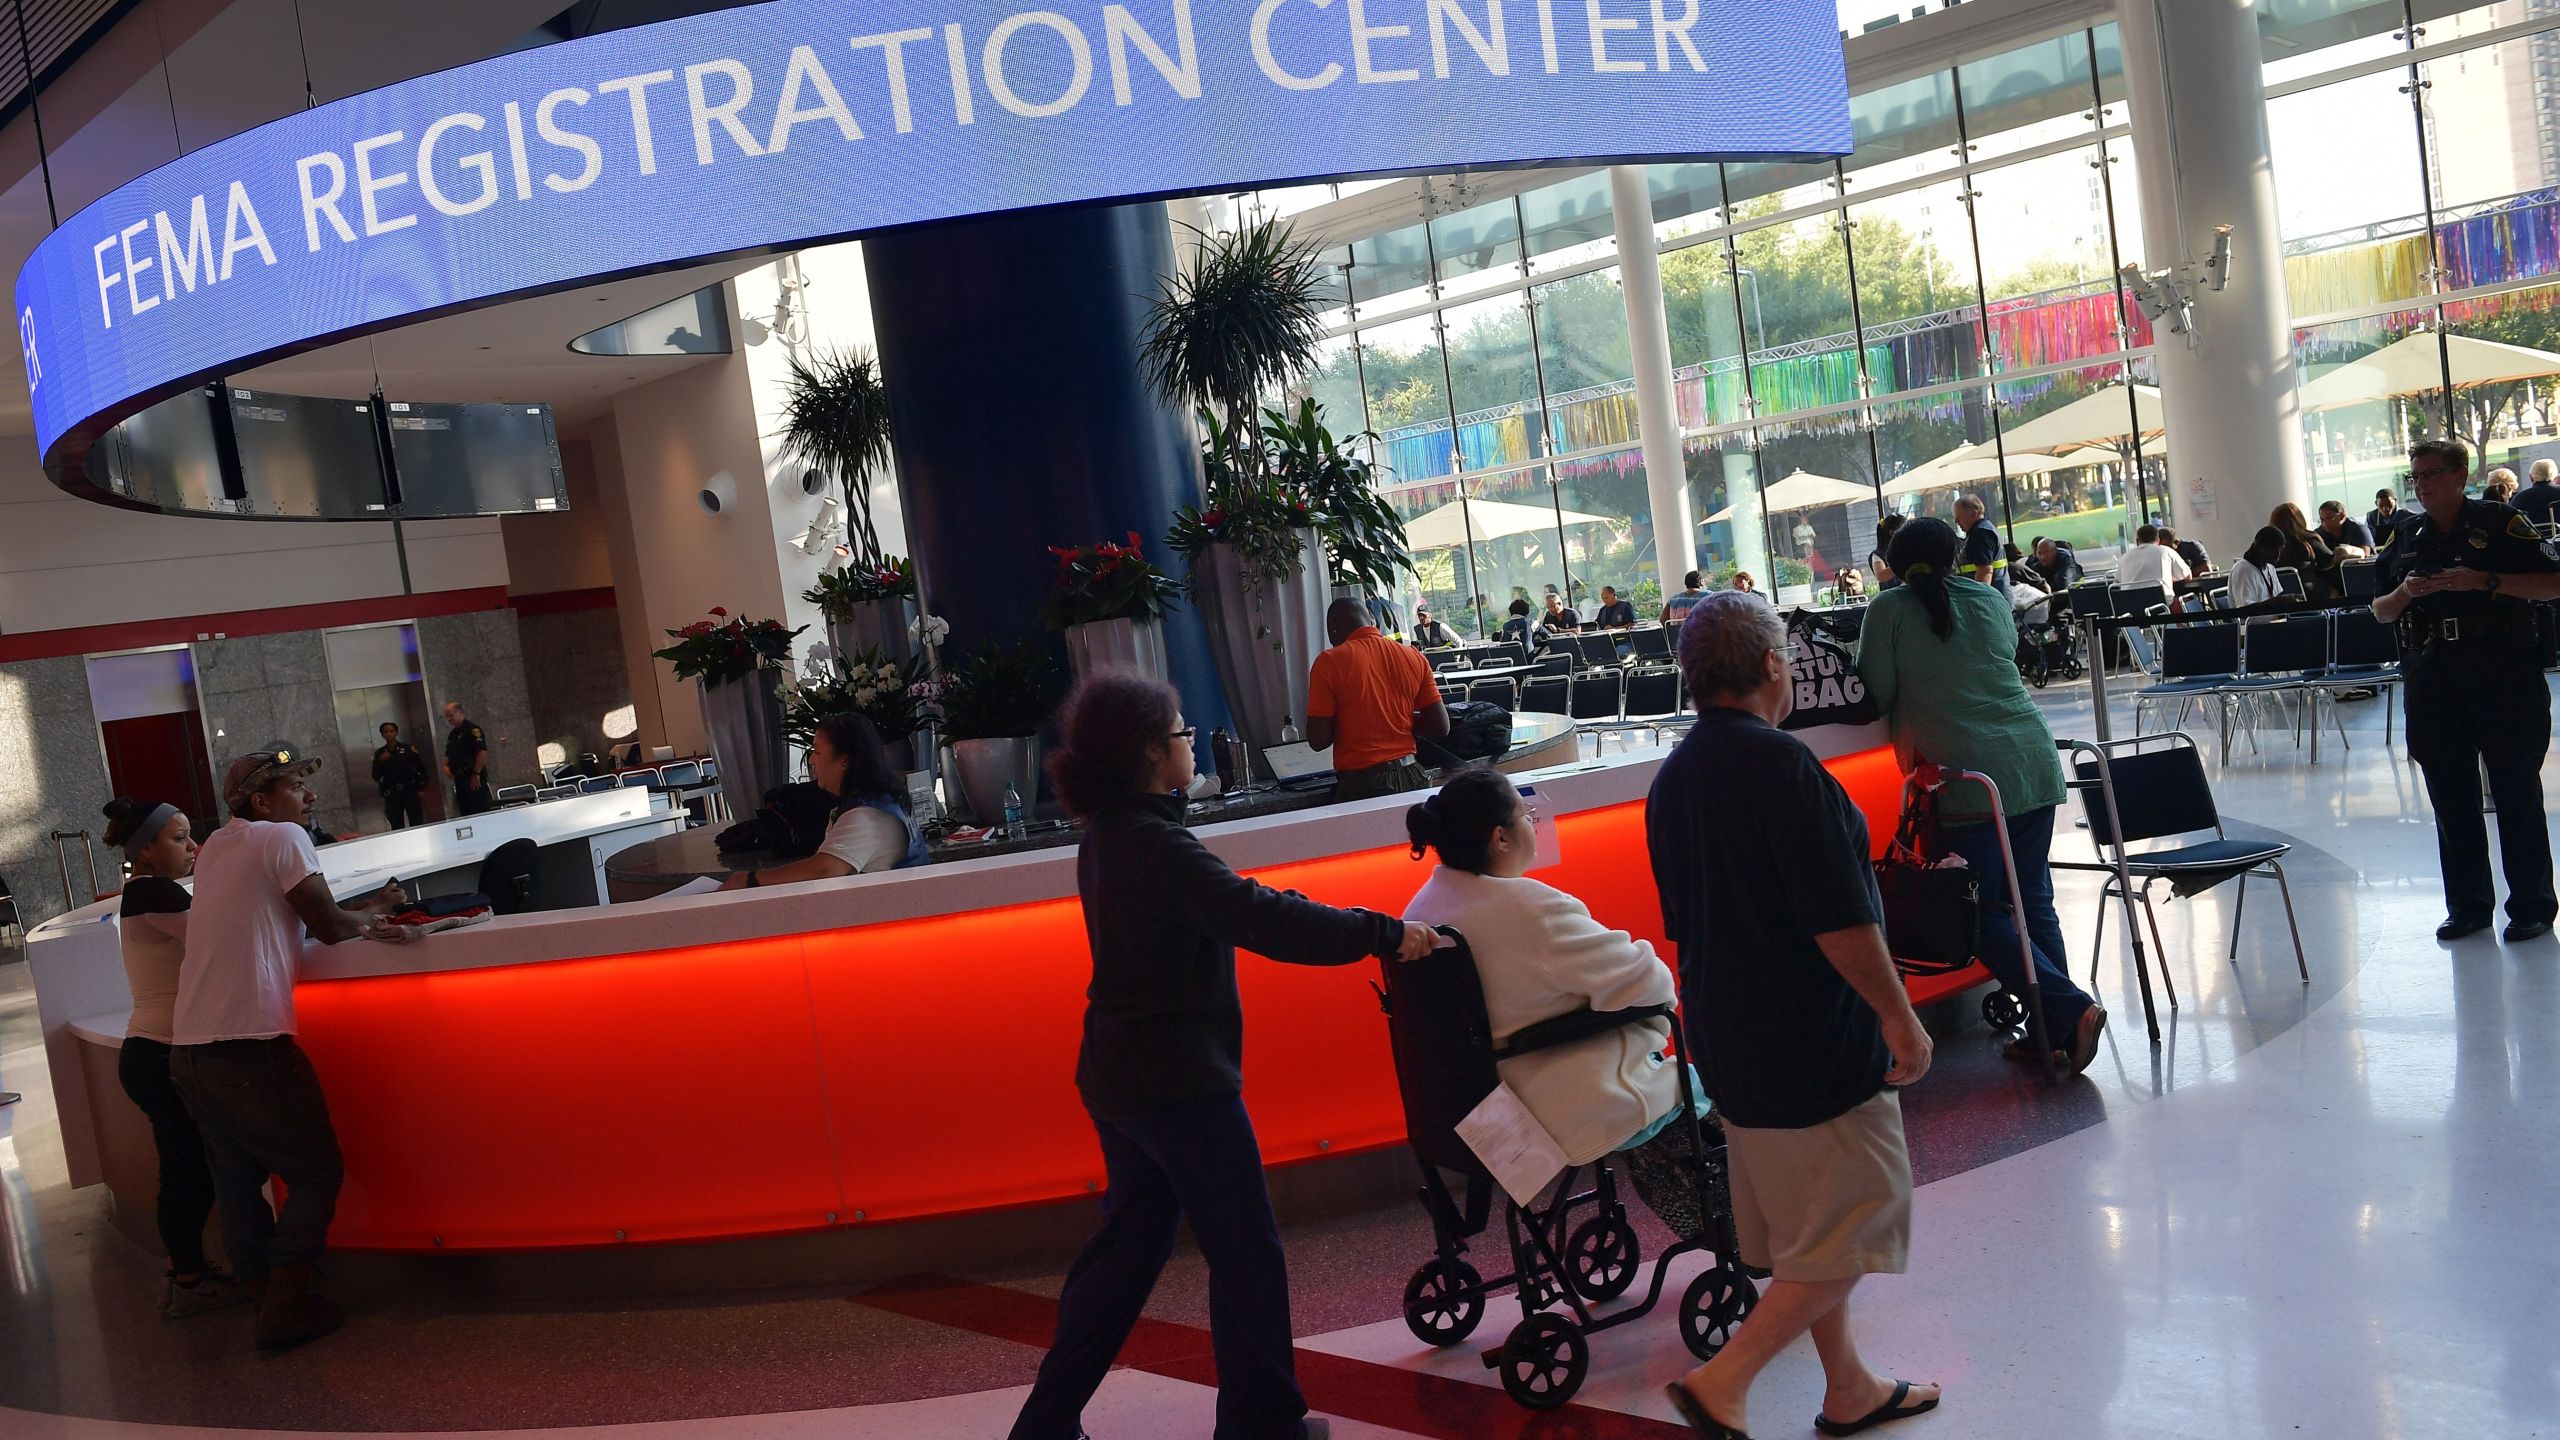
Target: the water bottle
(1289, 731)
(1013, 828)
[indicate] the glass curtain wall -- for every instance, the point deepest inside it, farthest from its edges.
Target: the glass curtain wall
(1848, 340)
(2425, 296)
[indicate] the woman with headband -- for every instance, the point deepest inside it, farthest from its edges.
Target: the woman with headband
(160, 847)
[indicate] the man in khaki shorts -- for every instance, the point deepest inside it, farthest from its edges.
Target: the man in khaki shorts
(1796, 1018)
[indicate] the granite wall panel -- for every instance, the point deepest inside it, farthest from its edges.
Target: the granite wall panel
(575, 676)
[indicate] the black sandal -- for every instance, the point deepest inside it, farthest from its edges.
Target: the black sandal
(1697, 1416)
(1890, 1411)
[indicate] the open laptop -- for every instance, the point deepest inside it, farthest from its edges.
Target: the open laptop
(1299, 764)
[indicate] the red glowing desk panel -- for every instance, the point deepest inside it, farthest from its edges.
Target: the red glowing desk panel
(881, 1072)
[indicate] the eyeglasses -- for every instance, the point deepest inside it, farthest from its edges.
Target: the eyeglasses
(1184, 733)
(2435, 472)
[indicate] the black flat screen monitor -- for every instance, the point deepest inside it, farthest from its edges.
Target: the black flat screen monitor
(453, 460)
(309, 457)
(167, 456)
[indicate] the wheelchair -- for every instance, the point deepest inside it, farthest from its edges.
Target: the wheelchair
(1578, 1251)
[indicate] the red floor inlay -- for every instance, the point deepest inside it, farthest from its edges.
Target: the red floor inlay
(1373, 1394)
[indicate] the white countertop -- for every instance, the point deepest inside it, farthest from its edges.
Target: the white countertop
(946, 889)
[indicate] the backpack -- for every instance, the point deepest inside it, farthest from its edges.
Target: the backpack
(1478, 730)
(792, 822)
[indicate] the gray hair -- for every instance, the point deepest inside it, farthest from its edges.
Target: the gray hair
(1974, 502)
(1723, 641)
(2545, 471)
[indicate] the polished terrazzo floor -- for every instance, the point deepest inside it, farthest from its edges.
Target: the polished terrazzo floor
(2311, 1210)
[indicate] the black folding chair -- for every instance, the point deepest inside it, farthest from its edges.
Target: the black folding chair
(2153, 787)
(1547, 694)
(2284, 657)
(2196, 662)
(1599, 695)
(2365, 655)
(1496, 691)
(1651, 644)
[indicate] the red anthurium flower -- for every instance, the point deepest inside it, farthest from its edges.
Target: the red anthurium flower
(1214, 519)
(719, 610)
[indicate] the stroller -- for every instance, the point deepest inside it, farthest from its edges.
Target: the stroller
(2048, 644)
(1577, 1252)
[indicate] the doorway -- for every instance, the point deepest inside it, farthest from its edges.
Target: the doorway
(375, 678)
(151, 727)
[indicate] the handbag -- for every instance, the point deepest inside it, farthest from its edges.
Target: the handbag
(1932, 913)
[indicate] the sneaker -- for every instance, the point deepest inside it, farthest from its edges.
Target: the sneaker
(211, 1291)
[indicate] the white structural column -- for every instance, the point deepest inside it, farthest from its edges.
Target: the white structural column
(2200, 128)
(1675, 522)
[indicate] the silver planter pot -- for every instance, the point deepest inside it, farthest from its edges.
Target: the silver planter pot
(882, 625)
(744, 720)
(1266, 633)
(1122, 644)
(982, 768)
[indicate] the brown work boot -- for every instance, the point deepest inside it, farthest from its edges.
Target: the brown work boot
(292, 1313)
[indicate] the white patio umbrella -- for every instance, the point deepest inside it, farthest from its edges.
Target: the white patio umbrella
(1454, 524)
(1979, 464)
(2099, 419)
(1804, 491)
(2414, 365)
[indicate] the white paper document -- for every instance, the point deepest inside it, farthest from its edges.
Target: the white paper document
(1519, 1152)
(707, 885)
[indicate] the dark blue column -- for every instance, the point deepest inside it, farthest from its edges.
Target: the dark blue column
(1010, 349)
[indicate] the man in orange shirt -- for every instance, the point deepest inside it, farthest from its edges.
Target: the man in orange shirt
(1367, 698)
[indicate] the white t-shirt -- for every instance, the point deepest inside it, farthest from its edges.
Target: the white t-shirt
(869, 840)
(244, 941)
(2252, 585)
(2151, 565)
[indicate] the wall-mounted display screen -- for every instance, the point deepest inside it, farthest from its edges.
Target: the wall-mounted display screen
(168, 458)
(767, 127)
(308, 457)
(475, 460)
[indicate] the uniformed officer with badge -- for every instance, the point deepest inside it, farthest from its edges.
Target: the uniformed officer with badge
(466, 761)
(2464, 573)
(400, 775)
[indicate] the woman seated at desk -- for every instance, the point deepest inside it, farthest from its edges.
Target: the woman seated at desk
(870, 829)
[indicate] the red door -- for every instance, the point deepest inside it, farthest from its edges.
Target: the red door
(162, 758)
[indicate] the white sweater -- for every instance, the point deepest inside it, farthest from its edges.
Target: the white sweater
(1540, 955)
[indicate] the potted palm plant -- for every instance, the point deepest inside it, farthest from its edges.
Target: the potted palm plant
(993, 705)
(1245, 322)
(835, 420)
(1109, 602)
(740, 665)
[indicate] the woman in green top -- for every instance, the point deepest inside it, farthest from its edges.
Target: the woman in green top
(1939, 654)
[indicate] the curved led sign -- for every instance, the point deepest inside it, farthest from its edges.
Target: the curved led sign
(774, 126)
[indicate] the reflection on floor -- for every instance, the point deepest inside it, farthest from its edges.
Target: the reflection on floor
(2306, 1212)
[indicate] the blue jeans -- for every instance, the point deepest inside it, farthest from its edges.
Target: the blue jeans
(1198, 1161)
(2031, 842)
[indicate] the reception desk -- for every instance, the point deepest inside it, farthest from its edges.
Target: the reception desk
(847, 1052)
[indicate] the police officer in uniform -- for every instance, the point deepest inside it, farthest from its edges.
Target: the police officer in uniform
(466, 760)
(400, 775)
(2463, 573)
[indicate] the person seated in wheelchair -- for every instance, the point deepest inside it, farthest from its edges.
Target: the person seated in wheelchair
(1540, 955)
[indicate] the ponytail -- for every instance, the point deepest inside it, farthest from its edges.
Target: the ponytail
(1922, 554)
(1460, 820)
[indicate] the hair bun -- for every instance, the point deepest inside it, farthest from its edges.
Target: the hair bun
(121, 808)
